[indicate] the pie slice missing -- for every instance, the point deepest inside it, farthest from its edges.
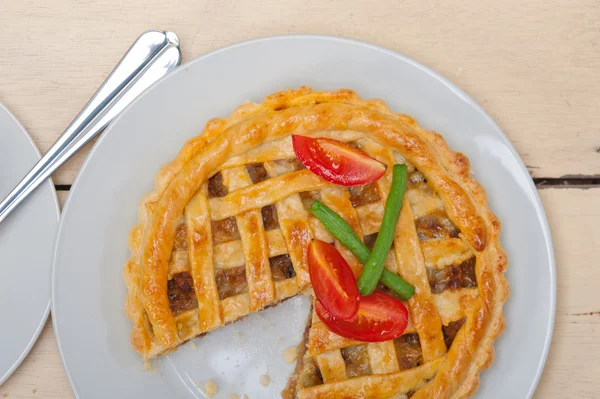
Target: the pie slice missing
(226, 230)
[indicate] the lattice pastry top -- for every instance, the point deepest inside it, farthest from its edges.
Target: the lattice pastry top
(226, 229)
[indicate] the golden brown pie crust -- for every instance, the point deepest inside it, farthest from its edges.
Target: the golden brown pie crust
(259, 133)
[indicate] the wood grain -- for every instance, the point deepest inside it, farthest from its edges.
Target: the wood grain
(532, 65)
(573, 364)
(574, 360)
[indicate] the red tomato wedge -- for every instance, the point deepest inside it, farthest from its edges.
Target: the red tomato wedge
(379, 318)
(332, 280)
(337, 162)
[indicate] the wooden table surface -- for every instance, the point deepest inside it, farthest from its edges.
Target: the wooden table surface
(533, 67)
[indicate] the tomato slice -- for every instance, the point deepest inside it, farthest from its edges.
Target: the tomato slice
(379, 318)
(337, 162)
(332, 280)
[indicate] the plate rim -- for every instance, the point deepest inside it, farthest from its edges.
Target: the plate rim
(434, 74)
(54, 197)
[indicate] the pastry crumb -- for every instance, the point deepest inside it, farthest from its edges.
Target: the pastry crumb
(193, 345)
(34, 390)
(238, 335)
(290, 354)
(264, 380)
(5, 395)
(211, 388)
(148, 366)
(233, 396)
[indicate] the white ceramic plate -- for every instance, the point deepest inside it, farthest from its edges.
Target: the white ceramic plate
(88, 290)
(26, 244)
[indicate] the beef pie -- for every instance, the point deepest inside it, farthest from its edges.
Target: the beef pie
(227, 229)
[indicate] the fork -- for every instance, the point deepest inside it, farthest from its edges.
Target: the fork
(154, 54)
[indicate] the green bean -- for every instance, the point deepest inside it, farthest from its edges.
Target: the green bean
(342, 231)
(374, 265)
(397, 284)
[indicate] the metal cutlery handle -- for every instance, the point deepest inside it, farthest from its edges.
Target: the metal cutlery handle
(152, 56)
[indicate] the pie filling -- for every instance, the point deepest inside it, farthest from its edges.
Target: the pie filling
(356, 359)
(257, 172)
(180, 290)
(451, 330)
(364, 195)
(452, 277)
(269, 217)
(370, 240)
(308, 197)
(432, 221)
(216, 188)
(282, 267)
(435, 225)
(415, 178)
(408, 351)
(231, 282)
(225, 230)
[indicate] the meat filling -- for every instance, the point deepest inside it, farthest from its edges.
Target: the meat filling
(416, 177)
(282, 267)
(216, 188)
(435, 225)
(257, 172)
(452, 277)
(308, 197)
(231, 282)
(408, 351)
(310, 374)
(363, 195)
(451, 330)
(225, 230)
(269, 217)
(180, 290)
(357, 361)
(370, 240)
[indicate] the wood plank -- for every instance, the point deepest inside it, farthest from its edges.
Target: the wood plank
(574, 361)
(532, 65)
(41, 375)
(62, 197)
